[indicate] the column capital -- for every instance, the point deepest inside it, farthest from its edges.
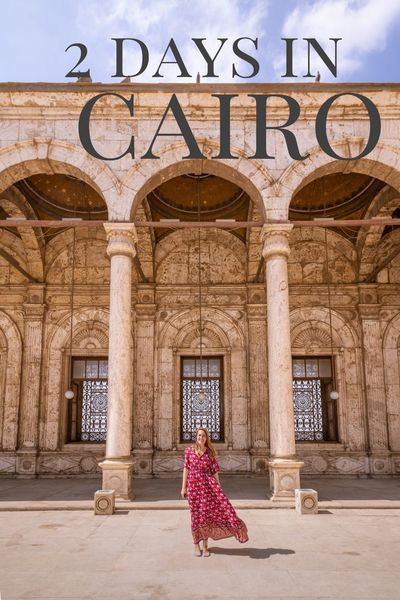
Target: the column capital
(369, 311)
(276, 239)
(256, 312)
(145, 312)
(122, 238)
(34, 312)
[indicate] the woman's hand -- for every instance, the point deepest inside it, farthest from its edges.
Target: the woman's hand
(183, 493)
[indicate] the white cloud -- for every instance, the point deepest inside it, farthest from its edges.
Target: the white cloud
(363, 26)
(155, 22)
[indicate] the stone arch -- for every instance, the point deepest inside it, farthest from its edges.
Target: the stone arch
(310, 334)
(307, 259)
(368, 239)
(223, 335)
(391, 359)
(254, 247)
(387, 259)
(90, 331)
(145, 175)
(211, 337)
(46, 155)
(225, 327)
(344, 334)
(13, 245)
(382, 163)
(91, 334)
(223, 257)
(313, 338)
(15, 205)
(146, 241)
(10, 377)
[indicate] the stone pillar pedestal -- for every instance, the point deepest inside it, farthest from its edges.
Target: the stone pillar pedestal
(284, 478)
(117, 466)
(117, 476)
(34, 311)
(284, 467)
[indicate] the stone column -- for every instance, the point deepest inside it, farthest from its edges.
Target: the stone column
(34, 311)
(284, 467)
(374, 383)
(258, 380)
(117, 466)
(144, 384)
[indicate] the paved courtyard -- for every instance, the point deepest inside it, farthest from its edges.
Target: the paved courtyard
(164, 491)
(143, 554)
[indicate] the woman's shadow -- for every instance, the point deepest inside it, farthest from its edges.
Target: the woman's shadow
(251, 552)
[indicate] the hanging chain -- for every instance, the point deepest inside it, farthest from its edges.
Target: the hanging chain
(200, 291)
(72, 296)
(72, 305)
(330, 308)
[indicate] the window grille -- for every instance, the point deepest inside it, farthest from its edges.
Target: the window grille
(88, 409)
(314, 412)
(202, 410)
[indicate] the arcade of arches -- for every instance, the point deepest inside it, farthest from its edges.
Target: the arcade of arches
(288, 313)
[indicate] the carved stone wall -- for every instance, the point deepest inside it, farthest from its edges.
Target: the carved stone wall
(178, 335)
(310, 263)
(391, 356)
(222, 258)
(11, 358)
(366, 320)
(258, 384)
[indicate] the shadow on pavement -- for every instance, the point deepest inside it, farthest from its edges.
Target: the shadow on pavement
(251, 552)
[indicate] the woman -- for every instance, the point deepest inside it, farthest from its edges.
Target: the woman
(212, 514)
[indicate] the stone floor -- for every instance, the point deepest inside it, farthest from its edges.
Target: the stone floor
(165, 493)
(137, 555)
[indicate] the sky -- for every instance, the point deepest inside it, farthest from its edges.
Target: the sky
(36, 33)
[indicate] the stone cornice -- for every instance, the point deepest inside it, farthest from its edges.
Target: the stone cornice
(20, 100)
(312, 88)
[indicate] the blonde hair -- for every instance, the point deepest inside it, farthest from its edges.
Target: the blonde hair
(208, 444)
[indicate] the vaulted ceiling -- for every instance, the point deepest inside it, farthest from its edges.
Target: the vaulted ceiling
(198, 198)
(339, 196)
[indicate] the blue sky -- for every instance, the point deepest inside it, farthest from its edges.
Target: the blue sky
(35, 34)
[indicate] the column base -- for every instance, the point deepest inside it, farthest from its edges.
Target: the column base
(117, 476)
(26, 465)
(284, 478)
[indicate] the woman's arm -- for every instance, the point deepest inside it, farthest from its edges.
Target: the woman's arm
(184, 482)
(216, 476)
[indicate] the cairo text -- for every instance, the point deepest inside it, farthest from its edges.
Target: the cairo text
(263, 127)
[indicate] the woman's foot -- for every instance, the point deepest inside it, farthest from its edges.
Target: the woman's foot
(206, 552)
(197, 551)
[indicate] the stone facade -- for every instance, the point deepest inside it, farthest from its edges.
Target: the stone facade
(151, 324)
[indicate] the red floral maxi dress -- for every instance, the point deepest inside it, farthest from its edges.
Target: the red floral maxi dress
(212, 515)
